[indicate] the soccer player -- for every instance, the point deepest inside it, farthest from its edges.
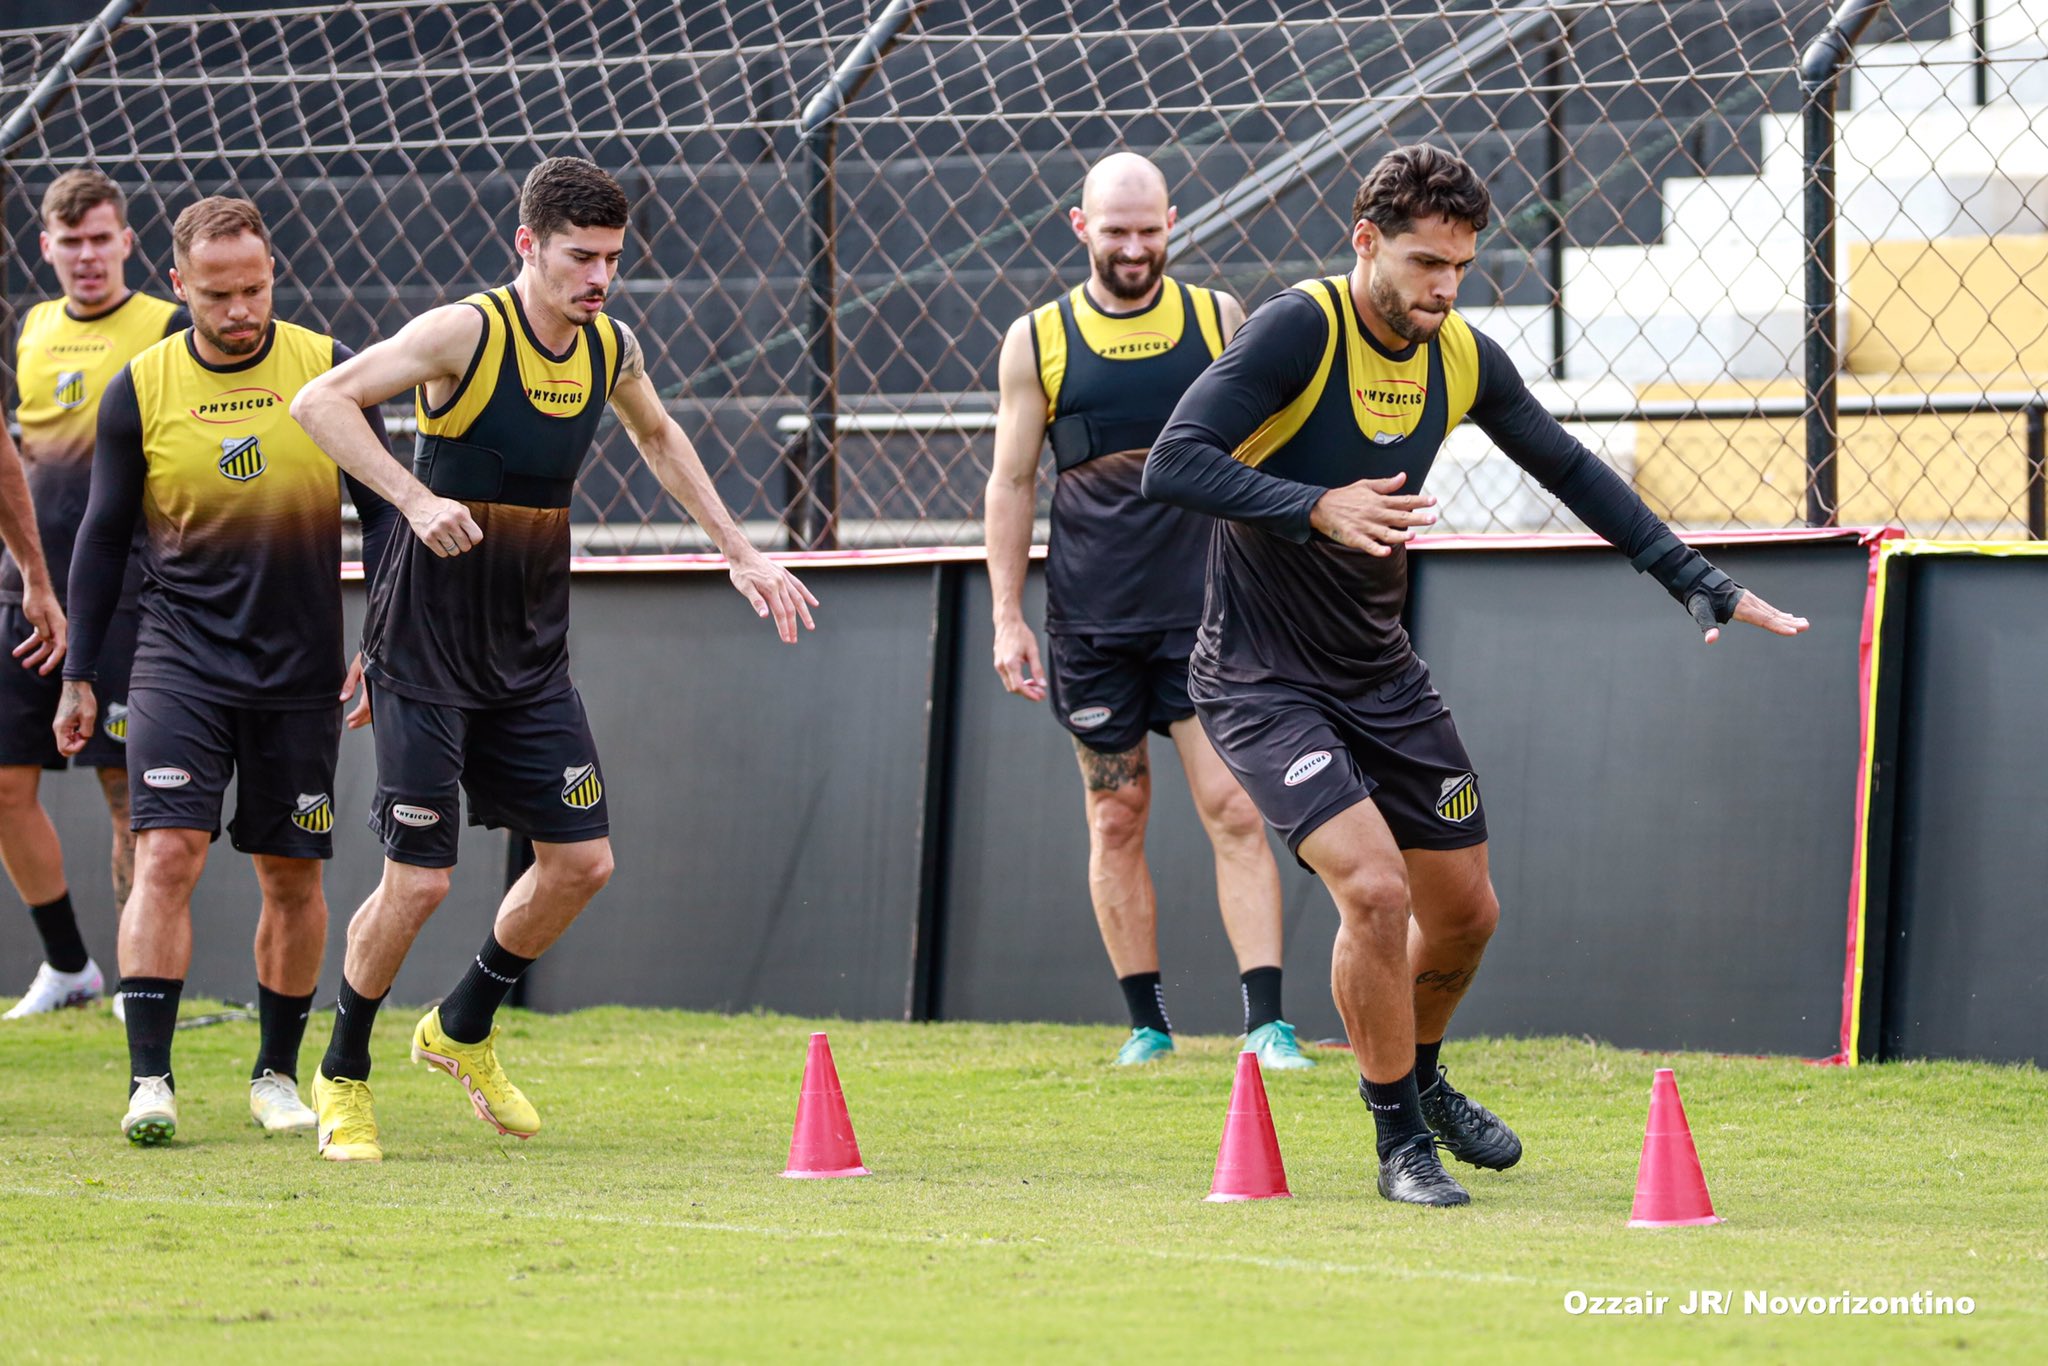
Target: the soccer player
(68, 351)
(238, 660)
(466, 640)
(1312, 436)
(1098, 371)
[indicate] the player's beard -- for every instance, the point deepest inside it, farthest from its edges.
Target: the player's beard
(246, 345)
(1106, 274)
(1394, 312)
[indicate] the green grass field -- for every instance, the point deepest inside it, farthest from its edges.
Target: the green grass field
(1029, 1203)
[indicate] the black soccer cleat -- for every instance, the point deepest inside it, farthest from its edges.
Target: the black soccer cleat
(1471, 1133)
(1413, 1175)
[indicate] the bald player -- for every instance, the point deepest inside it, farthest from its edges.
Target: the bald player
(1311, 439)
(1096, 373)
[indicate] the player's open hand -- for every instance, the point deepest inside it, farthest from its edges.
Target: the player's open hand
(78, 712)
(1017, 662)
(358, 715)
(444, 526)
(1370, 516)
(774, 591)
(44, 649)
(1756, 612)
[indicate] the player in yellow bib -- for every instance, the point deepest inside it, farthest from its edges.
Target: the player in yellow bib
(1095, 374)
(466, 640)
(69, 350)
(239, 671)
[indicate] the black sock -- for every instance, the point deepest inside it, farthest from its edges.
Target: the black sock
(1425, 1064)
(57, 923)
(348, 1049)
(1261, 988)
(1396, 1111)
(1146, 999)
(282, 1022)
(466, 1012)
(151, 1007)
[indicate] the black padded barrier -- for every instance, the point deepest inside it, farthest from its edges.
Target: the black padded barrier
(766, 799)
(1671, 823)
(1962, 935)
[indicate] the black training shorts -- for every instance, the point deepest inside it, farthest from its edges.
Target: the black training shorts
(530, 767)
(1109, 690)
(28, 700)
(1305, 754)
(183, 750)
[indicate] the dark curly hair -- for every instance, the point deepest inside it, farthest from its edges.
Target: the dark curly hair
(566, 192)
(1421, 181)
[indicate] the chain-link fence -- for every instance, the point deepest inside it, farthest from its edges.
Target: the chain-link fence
(1644, 267)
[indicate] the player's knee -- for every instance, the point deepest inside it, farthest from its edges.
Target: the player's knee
(18, 787)
(584, 870)
(1472, 921)
(414, 892)
(1234, 820)
(1116, 820)
(168, 862)
(1373, 898)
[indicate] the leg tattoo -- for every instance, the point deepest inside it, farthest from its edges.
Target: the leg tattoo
(1108, 772)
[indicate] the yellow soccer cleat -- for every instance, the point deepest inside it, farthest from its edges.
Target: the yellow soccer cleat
(348, 1126)
(498, 1102)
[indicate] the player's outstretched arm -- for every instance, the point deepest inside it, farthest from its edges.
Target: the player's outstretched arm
(434, 346)
(772, 589)
(1021, 413)
(1536, 441)
(44, 649)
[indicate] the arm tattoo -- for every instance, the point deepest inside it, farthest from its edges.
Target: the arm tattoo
(1108, 772)
(1451, 982)
(632, 364)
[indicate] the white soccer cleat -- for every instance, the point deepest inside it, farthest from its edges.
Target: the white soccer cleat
(152, 1116)
(54, 990)
(275, 1107)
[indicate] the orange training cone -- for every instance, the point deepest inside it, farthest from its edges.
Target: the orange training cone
(823, 1144)
(1671, 1190)
(1248, 1163)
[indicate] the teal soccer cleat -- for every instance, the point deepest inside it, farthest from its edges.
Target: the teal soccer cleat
(1144, 1045)
(1277, 1048)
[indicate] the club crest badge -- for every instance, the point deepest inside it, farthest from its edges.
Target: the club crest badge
(70, 388)
(313, 813)
(1459, 799)
(581, 787)
(117, 722)
(241, 458)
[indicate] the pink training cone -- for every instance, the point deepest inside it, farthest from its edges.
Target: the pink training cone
(1671, 1190)
(1248, 1163)
(822, 1144)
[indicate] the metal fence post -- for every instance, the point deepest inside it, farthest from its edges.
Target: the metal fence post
(815, 465)
(1820, 69)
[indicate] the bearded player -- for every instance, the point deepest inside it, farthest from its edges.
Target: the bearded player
(69, 351)
(239, 668)
(466, 640)
(1098, 372)
(1311, 438)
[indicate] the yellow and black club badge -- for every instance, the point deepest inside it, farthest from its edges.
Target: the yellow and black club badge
(241, 458)
(117, 721)
(313, 813)
(1459, 799)
(581, 787)
(70, 388)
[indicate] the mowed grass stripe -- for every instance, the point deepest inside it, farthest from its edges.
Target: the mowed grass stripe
(1030, 1203)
